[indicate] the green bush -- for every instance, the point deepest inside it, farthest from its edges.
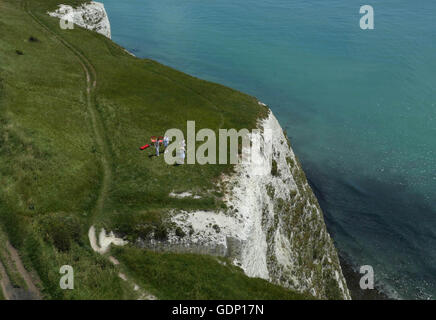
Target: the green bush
(160, 233)
(274, 170)
(180, 233)
(61, 230)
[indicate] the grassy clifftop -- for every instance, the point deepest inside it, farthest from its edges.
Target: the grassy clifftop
(74, 108)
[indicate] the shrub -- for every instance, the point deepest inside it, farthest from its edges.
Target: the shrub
(61, 230)
(180, 233)
(274, 171)
(160, 233)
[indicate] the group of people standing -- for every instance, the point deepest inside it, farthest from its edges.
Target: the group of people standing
(165, 142)
(160, 141)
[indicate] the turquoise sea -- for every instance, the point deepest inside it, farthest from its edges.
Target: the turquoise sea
(359, 107)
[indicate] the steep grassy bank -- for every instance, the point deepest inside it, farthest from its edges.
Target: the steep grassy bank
(51, 160)
(189, 276)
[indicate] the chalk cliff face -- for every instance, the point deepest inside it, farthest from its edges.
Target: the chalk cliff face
(273, 227)
(90, 15)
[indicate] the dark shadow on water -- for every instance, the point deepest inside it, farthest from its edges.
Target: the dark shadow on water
(383, 223)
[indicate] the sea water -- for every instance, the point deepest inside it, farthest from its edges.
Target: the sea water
(358, 105)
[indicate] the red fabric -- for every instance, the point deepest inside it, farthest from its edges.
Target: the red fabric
(144, 147)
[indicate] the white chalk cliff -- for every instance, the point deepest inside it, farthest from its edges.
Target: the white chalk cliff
(90, 15)
(273, 227)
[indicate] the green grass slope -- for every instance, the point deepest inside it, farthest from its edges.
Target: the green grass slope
(189, 276)
(69, 158)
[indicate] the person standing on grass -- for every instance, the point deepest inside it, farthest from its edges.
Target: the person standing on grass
(166, 141)
(182, 155)
(156, 144)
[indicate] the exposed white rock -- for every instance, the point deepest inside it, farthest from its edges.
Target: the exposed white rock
(204, 225)
(125, 50)
(122, 276)
(104, 240)
(114, 260)
(90, 15)
(184, 195)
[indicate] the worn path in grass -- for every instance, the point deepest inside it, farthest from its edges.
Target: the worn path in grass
(5, 283)
(91, 86)
(31, 292)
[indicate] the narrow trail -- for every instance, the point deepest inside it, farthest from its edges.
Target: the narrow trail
(5, 283)
(91, 85)
(97, 125)
(31, 287)
(30, 291)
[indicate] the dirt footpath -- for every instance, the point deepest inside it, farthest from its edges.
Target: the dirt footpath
(15, 293)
